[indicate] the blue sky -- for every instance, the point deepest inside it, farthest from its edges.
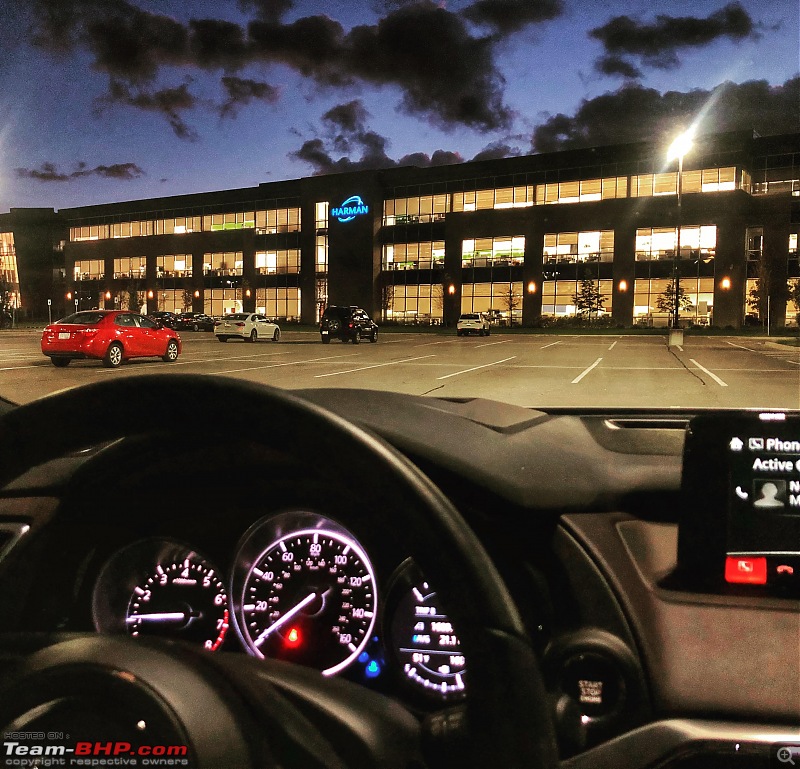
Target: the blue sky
(106, 100)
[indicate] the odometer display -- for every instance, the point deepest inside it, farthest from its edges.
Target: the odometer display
(310, 598)
(425, 643)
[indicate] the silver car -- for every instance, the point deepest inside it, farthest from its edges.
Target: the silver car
(473, 323)
(249, 326)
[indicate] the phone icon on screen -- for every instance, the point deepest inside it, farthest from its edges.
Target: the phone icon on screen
(785, 569)
(741, 493)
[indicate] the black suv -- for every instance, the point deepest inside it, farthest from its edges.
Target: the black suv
(165, 318)
(347, 323)
(194, 321)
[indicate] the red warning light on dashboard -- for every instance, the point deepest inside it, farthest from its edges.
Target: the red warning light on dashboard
(293, 638)
(742, 570)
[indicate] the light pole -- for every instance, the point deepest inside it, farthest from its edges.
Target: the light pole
(678, 149)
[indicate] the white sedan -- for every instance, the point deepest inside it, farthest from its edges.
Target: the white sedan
(249, 326)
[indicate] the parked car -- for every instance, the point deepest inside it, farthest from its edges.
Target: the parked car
(249, 326)
(194, 321)
(348, 324)
(473, 323)
(165, 318)
(108, 335)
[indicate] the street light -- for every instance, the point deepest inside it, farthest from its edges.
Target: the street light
(677, 150)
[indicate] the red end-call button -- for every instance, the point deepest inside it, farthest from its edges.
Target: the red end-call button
(743, 570)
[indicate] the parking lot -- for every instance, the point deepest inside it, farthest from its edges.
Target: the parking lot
(526, 369)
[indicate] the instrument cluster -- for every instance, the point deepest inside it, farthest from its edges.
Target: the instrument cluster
(301, 589)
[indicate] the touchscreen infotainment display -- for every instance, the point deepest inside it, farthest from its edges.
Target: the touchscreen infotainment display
(740, 521)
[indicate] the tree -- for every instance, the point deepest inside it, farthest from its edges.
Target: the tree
(387, 299)
(6, 291)
(665, 302)
(794, 295)
(757, 299)
(588, 299)
(510, 300)
(135, 300)
(186, 299)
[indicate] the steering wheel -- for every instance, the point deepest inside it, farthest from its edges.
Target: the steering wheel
(236, 711)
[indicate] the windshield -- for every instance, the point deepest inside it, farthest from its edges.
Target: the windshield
(611, 192)
(83, 318)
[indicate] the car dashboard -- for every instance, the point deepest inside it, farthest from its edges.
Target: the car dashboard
(240, 549)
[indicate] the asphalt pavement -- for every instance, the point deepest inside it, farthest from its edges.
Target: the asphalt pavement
(532, 370)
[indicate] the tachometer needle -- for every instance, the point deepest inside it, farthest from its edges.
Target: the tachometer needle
(285, 618)
(164, 616)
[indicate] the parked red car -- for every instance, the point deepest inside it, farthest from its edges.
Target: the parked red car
(108, 335)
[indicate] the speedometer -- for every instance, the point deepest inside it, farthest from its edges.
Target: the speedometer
(308, 597)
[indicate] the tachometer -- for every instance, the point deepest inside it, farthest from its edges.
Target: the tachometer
(183, 598)
(165, 588)
(309, 595)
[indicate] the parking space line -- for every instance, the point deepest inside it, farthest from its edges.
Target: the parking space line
(613, 345)
(552, 344)
(475, 368)
(706, 371)
(374, 365)
(586, 371)
(740, 346)
(278, 365)
(430, 344)
(489, 344)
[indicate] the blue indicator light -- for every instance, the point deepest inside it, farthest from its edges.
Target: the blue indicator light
(373, 669)
(414, 638)
(363, 658)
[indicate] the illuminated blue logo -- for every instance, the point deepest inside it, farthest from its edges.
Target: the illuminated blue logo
(350, 209)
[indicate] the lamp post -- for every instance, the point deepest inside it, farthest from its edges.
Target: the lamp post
(678, 149)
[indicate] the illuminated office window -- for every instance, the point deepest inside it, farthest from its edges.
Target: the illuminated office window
(279, 261)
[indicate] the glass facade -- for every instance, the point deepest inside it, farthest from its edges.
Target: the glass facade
(275, 262)
(174, 266)
(489, 252)
(660, 243)
(413, 256)
(223, 263)
(558, 296)
(8, 272)
(279, 303)
(592, 246)
(501, 301)
(486, 240)
(699, 291)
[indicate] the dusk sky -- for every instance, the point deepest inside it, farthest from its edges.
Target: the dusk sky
(112, 100)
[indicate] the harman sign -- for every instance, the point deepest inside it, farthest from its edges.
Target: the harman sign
(350, 209)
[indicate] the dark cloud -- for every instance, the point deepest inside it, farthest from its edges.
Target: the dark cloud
(508, 16)
(349, 117)
(460, 85)
(345, 133)
(634, 113)
(242, 91)
(657, 44)
(48, 172)
(497, 150)
(169, 102)
(267, 10)
(612, 64)
(131, 44)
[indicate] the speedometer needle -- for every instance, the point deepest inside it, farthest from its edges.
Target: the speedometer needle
(285, 618)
